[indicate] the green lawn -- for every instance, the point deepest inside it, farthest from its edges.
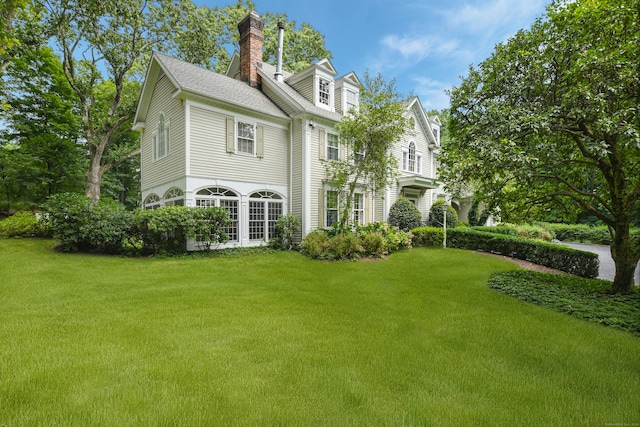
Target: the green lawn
(278, 339)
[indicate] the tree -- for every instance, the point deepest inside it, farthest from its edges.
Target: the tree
(41, 126)
(551, 118)
(367, 136)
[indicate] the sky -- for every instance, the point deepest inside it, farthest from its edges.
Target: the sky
(425, 45)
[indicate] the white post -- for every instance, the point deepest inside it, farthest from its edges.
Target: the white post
(444, 222)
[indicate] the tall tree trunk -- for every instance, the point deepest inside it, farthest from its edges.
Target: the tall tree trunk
(625, 256)
(94, 179)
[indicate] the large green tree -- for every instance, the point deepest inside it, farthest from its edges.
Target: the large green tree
(367, 136)
(551, 117)
(40, 139)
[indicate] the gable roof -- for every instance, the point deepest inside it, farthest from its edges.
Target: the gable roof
(415, 104)
(291, 96)
(194, 80)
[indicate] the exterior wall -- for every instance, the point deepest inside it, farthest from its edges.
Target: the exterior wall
(208, 149)
(172, 166)
(305, 88)
(296, 168)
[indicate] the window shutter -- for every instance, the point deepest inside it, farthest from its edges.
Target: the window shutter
(321, 213)
(231, 134)
(367, 208)
(321, 144)
(260, 141)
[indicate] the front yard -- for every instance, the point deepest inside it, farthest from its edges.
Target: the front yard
(278, 339)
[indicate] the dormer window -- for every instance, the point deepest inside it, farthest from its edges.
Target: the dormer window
(352, 100)
(324, 87)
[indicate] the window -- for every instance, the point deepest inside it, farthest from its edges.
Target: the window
(174, 197)
(151, 202)
(224, 198)
(352, 100)
(323, 91)
(246, 138)
(265, 208)
(161, 139)
(411, 159)
(331, 207)
(358, 208)
(358, 156)
(333, 149)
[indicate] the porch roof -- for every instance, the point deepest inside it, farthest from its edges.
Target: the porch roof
(418, 182)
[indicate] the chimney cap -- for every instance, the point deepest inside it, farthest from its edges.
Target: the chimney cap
(281, 25)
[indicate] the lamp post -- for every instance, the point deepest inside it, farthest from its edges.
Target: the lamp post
(444, 223)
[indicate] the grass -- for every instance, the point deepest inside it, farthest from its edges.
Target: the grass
(278, 339)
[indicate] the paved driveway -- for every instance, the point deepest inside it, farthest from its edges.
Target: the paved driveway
(607, 267)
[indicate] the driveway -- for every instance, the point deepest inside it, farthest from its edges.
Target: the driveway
(607, 267)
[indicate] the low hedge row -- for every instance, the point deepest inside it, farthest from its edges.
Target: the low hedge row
(523, 231)
(579, 233)
(562, 258)
(428, 236)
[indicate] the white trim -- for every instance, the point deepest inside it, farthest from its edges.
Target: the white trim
(236, 137)
(306, 178)
(187, 137)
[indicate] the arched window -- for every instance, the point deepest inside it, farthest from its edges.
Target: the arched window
(174, 197)
(265, 208)
(224, 198)
(412, 157)
(151, 202)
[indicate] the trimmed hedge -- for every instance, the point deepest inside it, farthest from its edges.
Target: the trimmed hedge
(580, 233)
(523, 231)
(580, 263)
(23, 224)
(428, 236)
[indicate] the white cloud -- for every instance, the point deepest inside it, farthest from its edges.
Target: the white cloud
(490, 16)
(416, 47)
(431, 93)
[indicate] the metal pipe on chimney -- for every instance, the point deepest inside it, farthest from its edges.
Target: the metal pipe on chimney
(278, 74)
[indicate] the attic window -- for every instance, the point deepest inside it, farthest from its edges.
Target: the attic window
(323, 91)
(352, 102)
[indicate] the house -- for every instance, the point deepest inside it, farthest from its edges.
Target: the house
(255, 141)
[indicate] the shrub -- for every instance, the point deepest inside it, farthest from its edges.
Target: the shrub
(404, 215)
(428, 236)
(373, 244)
(24, 224)
(551, 255)
(165, 230)
(523, 231)
(286, 227)
(436, 217)
(210, 226)
(579, 233)
(344, 246)
(82, 225)
(314, 244)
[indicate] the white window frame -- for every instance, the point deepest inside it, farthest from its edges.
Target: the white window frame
(333, 151)
(409, 164)
(350, 105)
(160, 138)
(222, 197)
(358, 208)
(328, 209)
(324, 91)
(239, 137)
(272, 209)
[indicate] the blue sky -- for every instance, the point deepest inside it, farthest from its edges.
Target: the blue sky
(426, 45)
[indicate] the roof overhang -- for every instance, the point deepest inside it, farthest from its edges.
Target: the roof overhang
(418, 182)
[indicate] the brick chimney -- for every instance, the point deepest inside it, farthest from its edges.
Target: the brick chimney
(250, 29)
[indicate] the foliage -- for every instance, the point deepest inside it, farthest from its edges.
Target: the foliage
(81, 225)
(366, 136)
(41, 153)
(578, 297)
(560, 257)
(551, 119)
(23, 224)
(523, 231)
(436, 215)
(210, 226)
(579, 233)
(477, 218)
(373, 240)
(404, 215)
(164, 230)
(428, 236)
(286, 228)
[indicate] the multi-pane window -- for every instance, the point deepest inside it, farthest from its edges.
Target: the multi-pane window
(323, 91)
(352, 100)
(265, 208)
(246, 138)
(224, 198)
(331, 208)
(333, 150)
(151, 202)
(161, 139)
(411, 159)
(358, 208)
(174, 197)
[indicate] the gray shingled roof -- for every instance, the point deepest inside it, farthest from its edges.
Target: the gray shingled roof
(200, 81)
(268, 71)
